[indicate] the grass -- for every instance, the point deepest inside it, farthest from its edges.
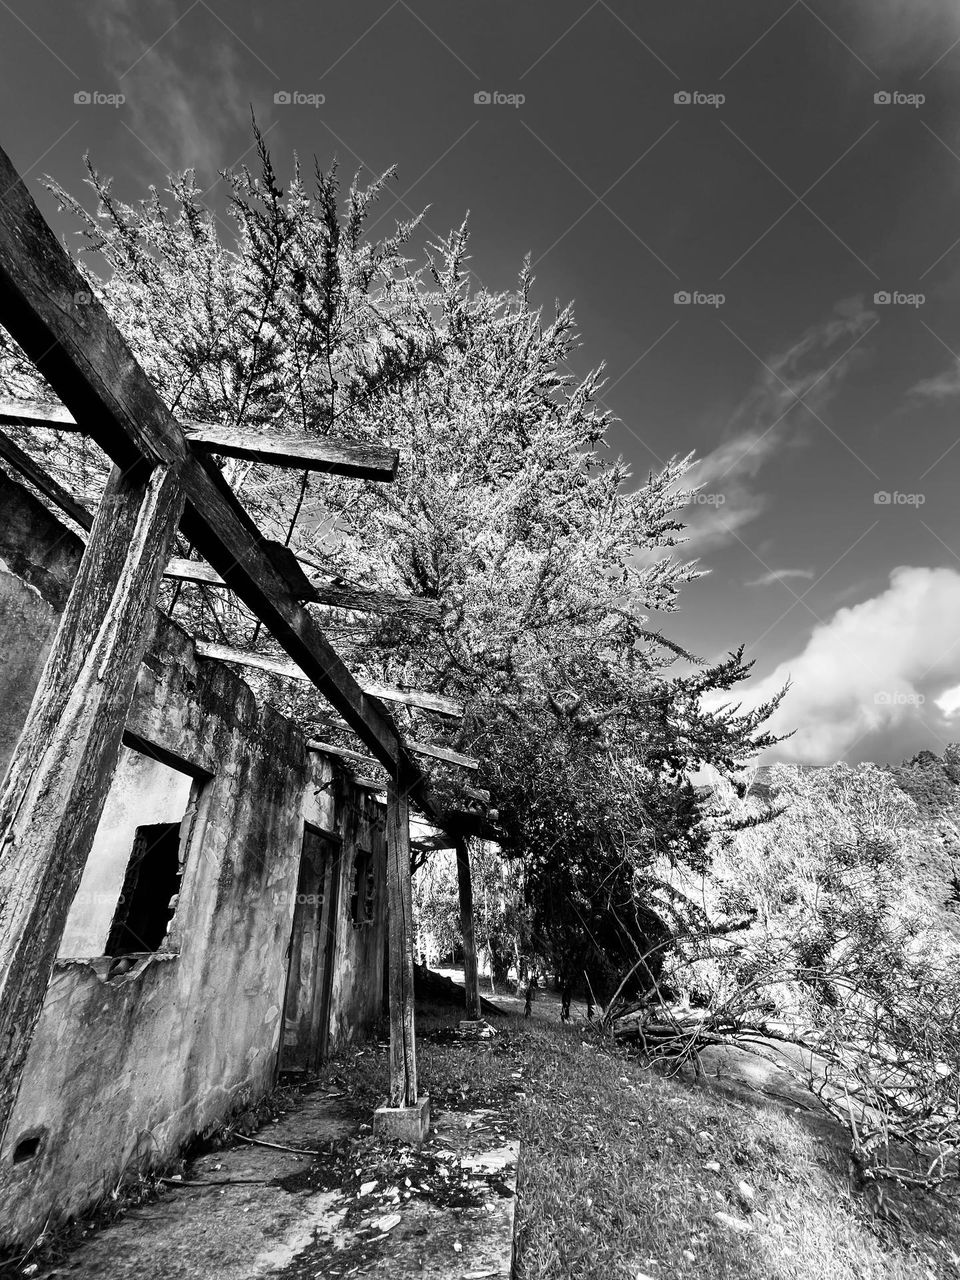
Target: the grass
(624, 1172)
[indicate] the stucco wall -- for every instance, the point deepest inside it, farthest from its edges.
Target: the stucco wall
(130, 1066)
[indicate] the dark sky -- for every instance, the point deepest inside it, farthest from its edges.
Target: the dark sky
(784, 185)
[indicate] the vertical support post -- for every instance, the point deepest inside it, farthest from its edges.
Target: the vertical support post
(57, 782)
(406, 1116)
(403, 1045)
(471, 972)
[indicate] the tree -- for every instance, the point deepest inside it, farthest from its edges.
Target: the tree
(546, 557)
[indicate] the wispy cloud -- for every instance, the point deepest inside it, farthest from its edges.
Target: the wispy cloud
(908, 35)
(780, 575)
(185, 94)
(942, 386)
(810, 369)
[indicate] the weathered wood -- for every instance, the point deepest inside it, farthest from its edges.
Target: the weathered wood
(31, 413)
(403, 1046)
(283, 667)
(471, 971)
(335, 595)
(431, 749)
(306, 453)
(89, 366)
(331, 749)
(53, 795)
(443, 753)
(21, 461)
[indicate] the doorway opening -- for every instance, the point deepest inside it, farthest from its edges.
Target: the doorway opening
(306, 1013)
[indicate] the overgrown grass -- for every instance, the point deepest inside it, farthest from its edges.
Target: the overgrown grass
(624, 1172)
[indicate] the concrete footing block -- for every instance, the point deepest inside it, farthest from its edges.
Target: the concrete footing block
(403, 1124)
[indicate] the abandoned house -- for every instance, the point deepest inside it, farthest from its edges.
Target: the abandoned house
(193, 896)
(230, 920)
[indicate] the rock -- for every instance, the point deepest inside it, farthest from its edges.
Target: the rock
(388, 1222)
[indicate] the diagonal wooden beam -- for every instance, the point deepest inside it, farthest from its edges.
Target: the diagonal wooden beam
(306, 453)
(87, 363)
(282, 667)
(11, 452)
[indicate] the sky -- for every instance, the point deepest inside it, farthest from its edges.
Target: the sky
(755, 208)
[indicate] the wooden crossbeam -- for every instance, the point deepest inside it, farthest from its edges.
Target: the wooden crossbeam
(89, 366)
(283, 667)
(306, 453)
(45, 483)
(418, 748)
(327, 593)
(331, 749)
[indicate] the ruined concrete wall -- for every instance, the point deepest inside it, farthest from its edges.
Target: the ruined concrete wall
(38, 562)
(126, 1066)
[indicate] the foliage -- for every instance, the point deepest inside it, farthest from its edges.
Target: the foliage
(547, 558)
(839, 952)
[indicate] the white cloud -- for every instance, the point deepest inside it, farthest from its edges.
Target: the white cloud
(779, 575)
(877, 680)
(949, 702)
(810, 368)
(941, 386)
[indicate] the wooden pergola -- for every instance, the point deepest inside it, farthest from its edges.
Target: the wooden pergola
(163, 479)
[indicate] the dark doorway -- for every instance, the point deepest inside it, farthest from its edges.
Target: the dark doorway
(306, 1014)
(150, 887)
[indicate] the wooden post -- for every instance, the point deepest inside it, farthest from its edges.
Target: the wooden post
(53, 795)
(471, 973)
(403, 1045)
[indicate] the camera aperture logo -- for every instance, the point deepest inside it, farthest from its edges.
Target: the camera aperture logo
(494, 98)
(95, 98)
(896, 499)
(895, 298)
(694, 98)
(894, 98)
(695, 298)
(297, 98)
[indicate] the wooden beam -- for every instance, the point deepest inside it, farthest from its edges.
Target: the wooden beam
(331, 749)
(283, 667)
(306, 453)
(38, 477)
(471, 971)
(403, 1045)
(334, 595)
(447, 754)
(54, 791)
(443, 753)
(89, 366)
